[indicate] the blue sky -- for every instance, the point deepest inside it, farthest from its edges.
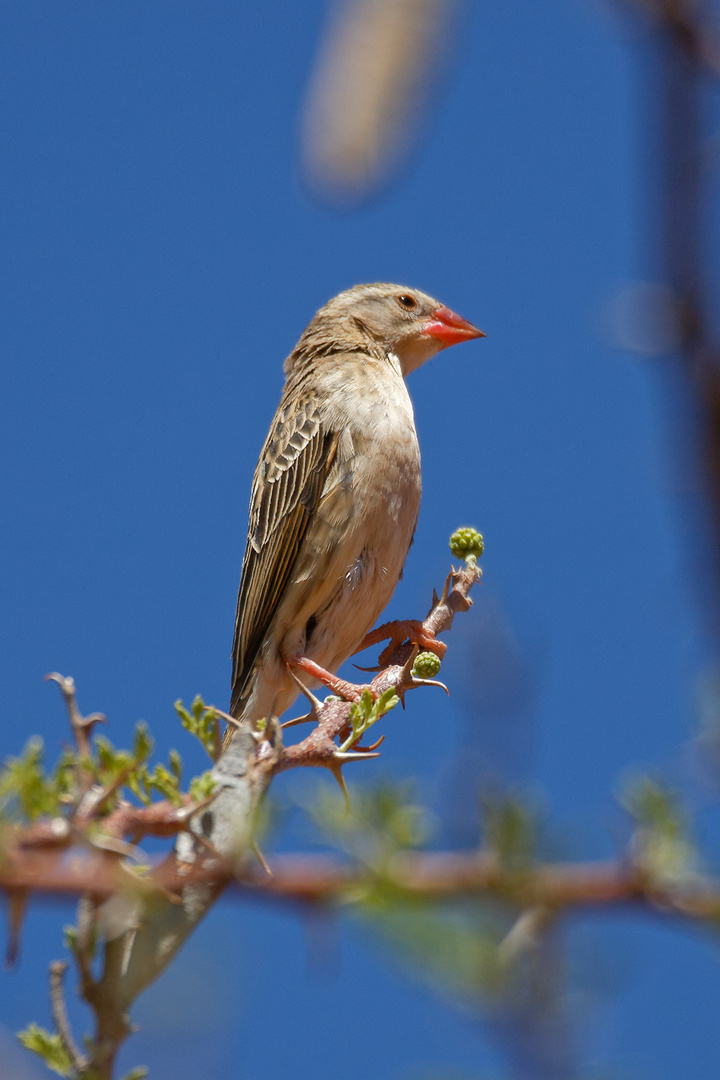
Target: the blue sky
(161, 257)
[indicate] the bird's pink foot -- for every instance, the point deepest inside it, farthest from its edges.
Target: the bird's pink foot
(398, 631)
(346, 690)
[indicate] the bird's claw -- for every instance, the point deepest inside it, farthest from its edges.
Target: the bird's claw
(398, 631)
(346, 690)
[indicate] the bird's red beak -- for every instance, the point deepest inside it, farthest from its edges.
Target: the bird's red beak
(450, 328)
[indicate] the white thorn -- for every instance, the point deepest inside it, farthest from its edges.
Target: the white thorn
(227, 717)
(431, 682)
(307, 719)
(315, 702)
(406, 671)
(186, 812)
(337, 773)
(349, 755)
(260, 857)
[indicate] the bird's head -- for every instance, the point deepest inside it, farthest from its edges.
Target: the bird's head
(391, 319)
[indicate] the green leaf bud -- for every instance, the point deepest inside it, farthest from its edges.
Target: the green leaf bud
(49, 1047)
(202, 786)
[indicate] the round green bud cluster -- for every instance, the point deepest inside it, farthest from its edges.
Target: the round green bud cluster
(466, 543)
(426, 665)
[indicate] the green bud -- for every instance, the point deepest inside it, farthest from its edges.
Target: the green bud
(467, 543)
(426, 665)
(143, 744)
(202, 786)
(70, 938)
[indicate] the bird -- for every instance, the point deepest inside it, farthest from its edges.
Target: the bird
(336, 494)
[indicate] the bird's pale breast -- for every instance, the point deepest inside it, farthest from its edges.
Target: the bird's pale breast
(355, 547)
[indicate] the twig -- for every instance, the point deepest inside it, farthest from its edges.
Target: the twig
(17, 908)
(84, 947)
(81, 726)
(56, 973)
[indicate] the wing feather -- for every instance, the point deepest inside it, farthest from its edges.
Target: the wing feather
(288, 483)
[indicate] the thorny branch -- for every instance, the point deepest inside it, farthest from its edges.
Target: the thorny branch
(436, 876)
(92, 850)
(333, 716)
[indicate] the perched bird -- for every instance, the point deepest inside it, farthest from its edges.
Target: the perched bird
(336, 493)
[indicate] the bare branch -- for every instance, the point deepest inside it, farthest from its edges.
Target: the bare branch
(687, 50)
(57, 971)
(81, 725)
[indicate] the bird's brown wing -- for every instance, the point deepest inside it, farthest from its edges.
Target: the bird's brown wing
(289, 479)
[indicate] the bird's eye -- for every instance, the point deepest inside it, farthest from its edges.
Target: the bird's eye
(408, 302)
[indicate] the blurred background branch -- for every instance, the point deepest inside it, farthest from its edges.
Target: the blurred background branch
(685, 53)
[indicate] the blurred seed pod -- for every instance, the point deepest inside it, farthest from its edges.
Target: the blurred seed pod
(369, 90)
